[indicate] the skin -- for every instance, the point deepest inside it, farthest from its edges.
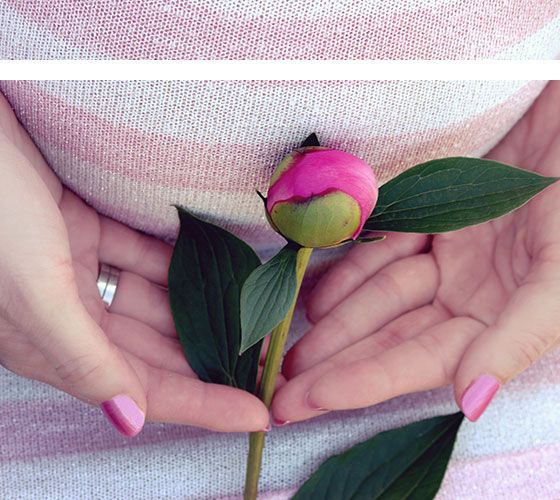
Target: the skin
(416, 312)
(53, 325)
(444, 308)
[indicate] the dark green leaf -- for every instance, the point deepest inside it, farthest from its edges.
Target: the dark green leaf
(452, 193)
(311, 140)
(267, 295)
(208, 269)
(404, 463)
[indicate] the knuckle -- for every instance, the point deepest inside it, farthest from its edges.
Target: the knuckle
(390, 338)
(53, 270)
(442, 363)
(145, 253)
(36, 291)
(333, 324)
(384, 377)
(79, 369)
(198, 396)
(158, 297)
(349, 272)
(531, 347)
(341, 278)
(167, 360)
(387, 286)
(16, 354)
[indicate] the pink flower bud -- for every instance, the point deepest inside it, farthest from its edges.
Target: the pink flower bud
(319, 197)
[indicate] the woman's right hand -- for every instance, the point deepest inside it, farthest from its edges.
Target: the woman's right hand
(53, 325)
(470, 308)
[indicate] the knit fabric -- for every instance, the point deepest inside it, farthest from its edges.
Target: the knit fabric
(131, 149)
(272, 29)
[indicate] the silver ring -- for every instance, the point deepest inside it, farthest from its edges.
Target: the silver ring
(107, 283)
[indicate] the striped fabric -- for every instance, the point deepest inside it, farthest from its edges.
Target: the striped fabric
(272, 29)
(131, 149)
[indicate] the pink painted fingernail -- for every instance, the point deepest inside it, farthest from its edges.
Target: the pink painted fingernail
(124, 414)
(267, 428)
(478, 395)
(279, 423)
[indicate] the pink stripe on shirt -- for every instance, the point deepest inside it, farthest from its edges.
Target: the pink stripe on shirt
(114, 146)
(132, 29)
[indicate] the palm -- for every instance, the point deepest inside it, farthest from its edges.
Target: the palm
(477, 280)
(139, 320)
(404, 311)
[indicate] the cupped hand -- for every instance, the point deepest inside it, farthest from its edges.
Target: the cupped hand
(472, 308)
(54, 326)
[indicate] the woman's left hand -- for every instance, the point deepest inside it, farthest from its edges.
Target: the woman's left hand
(472, 308)
(54, 326)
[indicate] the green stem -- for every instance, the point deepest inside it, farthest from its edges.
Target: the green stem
(268, 382)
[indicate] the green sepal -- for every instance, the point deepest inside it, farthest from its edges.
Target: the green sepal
(310, 140)
(321, 221)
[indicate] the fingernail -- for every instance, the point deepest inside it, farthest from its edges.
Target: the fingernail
(279, 423)
(267, 428)
(312, 405)
(478, 395)
(124, 414)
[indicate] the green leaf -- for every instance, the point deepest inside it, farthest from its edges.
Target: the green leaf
(267, 295)
(208, 268)
(452, 193)
(370, 239)
(310, 140)
(404, 463)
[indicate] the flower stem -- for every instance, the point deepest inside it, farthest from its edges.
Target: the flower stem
(268, 382)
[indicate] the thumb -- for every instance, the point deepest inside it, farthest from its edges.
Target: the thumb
(40, 296)
(527, 329)
(87, 364)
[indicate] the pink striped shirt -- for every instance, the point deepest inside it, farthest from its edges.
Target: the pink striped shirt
(268, 29)
(131, 149)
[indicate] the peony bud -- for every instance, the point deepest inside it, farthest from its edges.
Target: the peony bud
(319, 197)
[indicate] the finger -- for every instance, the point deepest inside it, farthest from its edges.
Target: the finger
(362, 262)
(402, 286)
(130, 250)
(174, 398)
(394, 333)
(290, 402)
(147, 344)
(425, 362)
(527, 328)
(280, 379)
(18, 136)
(84, 360)
(140, 299)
